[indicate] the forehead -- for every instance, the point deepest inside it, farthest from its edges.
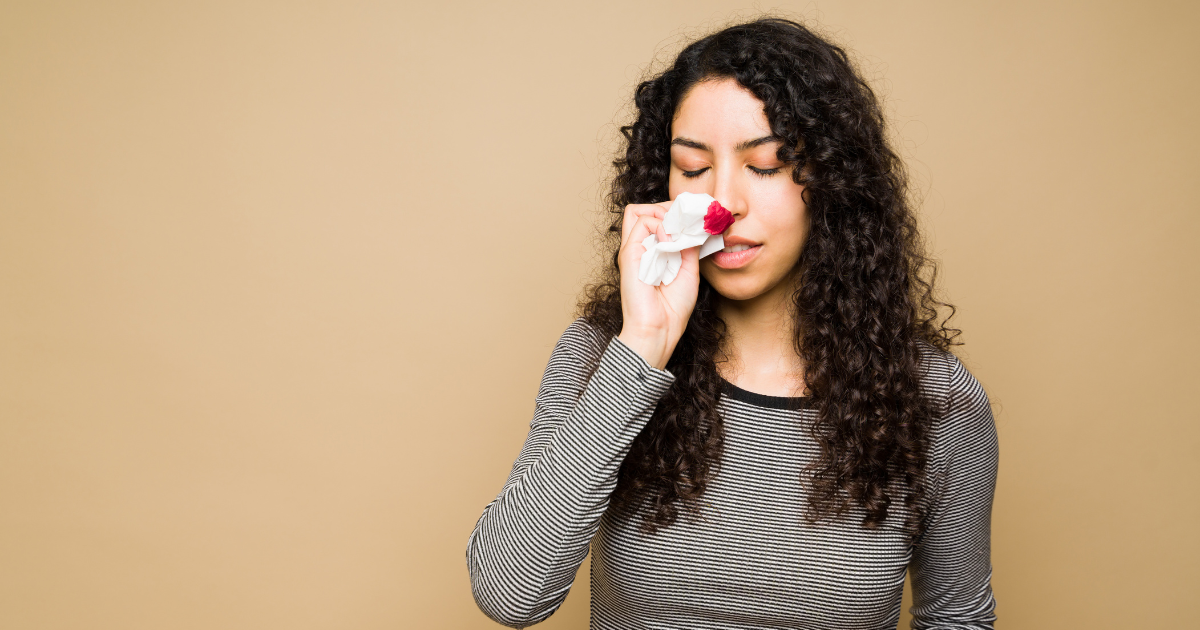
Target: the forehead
(720, 112)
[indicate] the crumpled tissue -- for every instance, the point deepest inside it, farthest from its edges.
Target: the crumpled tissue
(685, 224)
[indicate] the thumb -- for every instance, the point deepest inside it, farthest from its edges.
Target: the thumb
(691, 258)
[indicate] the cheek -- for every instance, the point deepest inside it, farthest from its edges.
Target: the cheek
(677, 183)
(789, 218)
(800, 231)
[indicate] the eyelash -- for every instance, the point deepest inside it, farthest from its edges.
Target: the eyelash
(761, 172)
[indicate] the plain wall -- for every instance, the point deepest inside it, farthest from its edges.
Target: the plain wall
(278, 282)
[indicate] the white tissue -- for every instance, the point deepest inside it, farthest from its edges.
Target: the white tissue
(684, 223)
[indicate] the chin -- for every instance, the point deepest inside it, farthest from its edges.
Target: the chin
(743, 284)
(736, 286)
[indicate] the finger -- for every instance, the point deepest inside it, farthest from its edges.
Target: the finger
(635, 211)
(643, 227)
(627, 223)
(660, 212)
(661, 234)
(653, 209)
(689, 268)
(691, 258)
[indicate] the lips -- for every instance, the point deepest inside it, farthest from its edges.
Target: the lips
(733, 241)
(735, 255)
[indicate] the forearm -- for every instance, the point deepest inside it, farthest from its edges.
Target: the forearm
(529, 542)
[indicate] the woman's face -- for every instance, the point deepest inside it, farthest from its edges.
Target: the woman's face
(722, 145)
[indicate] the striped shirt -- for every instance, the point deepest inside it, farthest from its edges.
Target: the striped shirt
(749, 560)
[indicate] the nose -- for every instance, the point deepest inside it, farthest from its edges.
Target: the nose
(726, 188)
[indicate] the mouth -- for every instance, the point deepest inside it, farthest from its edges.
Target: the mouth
(735, 256)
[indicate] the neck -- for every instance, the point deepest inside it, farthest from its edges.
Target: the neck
(759, 350)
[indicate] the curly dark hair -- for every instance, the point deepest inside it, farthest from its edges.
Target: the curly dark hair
(864, 300)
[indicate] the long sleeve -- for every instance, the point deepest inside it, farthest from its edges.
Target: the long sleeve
(951, 564)
(528, 544)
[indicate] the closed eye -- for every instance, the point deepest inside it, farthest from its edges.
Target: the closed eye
(761, 172)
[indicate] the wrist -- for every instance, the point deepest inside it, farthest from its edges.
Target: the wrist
(650, 346)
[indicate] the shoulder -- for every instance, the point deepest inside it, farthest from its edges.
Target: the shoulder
(964, 421)
(946, 380)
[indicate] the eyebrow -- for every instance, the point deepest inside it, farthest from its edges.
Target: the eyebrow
(748, 144)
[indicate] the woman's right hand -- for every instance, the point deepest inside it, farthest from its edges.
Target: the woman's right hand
(654, 317)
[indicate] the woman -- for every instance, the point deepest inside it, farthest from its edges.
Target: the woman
(776, 436)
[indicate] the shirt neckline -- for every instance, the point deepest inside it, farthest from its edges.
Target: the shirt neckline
(762, 400)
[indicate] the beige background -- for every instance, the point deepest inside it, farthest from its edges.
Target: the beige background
(278, 282)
